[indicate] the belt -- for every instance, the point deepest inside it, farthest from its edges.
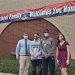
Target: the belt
(24, 55)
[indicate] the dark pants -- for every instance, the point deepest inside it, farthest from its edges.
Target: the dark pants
(48, 62)
(36, 67)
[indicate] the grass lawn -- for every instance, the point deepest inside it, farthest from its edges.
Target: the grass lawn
(12, 66)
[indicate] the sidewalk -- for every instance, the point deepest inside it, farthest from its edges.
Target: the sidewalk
(7, 74)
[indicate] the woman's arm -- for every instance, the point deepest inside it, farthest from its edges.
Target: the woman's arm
(68, 52)
(57, 53)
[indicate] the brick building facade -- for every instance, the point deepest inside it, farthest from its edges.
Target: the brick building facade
(10, 33)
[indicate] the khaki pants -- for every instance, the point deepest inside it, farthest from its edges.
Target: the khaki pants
(24, 65)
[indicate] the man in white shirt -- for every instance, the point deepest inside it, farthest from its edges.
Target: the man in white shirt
(36, 55)
(23, 54)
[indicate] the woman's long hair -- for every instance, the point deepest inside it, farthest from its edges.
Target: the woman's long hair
(58, 41)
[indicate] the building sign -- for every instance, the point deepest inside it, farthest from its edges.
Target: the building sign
(43, 12)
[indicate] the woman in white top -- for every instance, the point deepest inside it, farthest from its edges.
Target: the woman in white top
(36, 55)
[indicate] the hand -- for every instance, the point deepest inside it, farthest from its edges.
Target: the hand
(67, 62)
(17, 57)
(33, 56)
(57, 61)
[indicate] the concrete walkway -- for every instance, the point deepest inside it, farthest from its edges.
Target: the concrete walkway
(7, 74)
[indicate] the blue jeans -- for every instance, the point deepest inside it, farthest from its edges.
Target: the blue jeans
(50, 61)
